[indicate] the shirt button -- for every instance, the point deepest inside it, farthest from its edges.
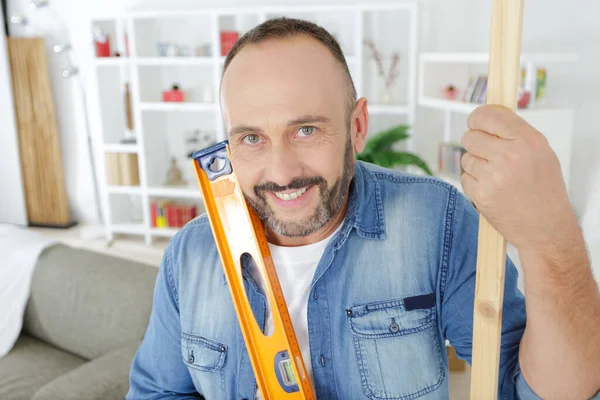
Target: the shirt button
(322, 360)
(349, 313)
(394, 327)
(191, 359)
(315, 295)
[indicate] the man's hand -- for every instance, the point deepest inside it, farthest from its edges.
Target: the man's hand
(514, 178)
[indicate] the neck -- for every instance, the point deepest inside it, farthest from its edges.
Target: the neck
(324, 232)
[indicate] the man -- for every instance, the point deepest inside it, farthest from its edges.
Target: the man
(377, 267)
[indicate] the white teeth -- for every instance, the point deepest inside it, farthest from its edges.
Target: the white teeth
(291, 196)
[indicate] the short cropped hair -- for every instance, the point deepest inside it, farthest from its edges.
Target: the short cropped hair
(283, 27)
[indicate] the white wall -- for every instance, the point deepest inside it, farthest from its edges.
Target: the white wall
(13, 203)
(448, 25)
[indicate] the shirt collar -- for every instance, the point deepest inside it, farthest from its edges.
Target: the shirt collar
(365, 207)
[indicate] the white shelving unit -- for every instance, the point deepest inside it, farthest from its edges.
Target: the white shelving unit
(159, 127)
(553, 119)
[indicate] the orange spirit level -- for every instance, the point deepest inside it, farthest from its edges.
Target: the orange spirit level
(276, 359)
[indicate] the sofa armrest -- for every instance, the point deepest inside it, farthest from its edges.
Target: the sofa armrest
(104, 378)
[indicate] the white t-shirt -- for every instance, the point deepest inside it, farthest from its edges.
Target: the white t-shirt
(296, 267)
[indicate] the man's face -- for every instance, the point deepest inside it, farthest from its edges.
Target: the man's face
(283, 104)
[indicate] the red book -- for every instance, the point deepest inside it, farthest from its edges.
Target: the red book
(178, 217)
(186, 214)
(153, 214)
(171, 215)
(194, 212)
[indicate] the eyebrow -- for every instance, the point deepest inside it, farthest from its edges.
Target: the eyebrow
(308, 119)
(304, 119)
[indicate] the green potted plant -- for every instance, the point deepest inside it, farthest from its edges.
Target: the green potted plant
(378, 150)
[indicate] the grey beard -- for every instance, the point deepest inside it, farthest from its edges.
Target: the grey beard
(331, 200)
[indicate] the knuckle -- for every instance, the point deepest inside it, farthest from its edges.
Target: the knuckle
(537, 141)
(485, 197)
(466, 161)
(478, 116)
(467, 139)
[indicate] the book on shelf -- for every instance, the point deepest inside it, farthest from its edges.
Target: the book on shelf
(113, 176)
(449, 159)
(122, 169)
(476, 91)
(169, 214)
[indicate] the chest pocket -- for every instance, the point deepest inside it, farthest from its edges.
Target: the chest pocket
(205, 359)
(398, 351)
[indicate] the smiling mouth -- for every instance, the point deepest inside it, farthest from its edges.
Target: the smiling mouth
(292, 195)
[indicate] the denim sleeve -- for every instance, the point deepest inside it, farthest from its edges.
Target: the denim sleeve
(457, 294)
(158, 370)
(524, 391)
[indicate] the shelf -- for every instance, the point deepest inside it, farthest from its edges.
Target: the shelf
(111, 61)
(133, 229)
(114, 189)
(174, 106)
(467, 108)
(378, 109)
(164, 232)
(184, 192)
(448, 105)
(174, 60)
(121, 148)
(483, 58)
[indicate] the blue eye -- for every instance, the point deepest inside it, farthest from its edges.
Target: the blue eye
(307, 130)
(251, 139)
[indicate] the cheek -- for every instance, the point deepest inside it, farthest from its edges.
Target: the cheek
(325, 161)
(245, 173)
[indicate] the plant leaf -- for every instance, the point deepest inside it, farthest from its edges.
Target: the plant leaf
(389, 159)
(385, 139)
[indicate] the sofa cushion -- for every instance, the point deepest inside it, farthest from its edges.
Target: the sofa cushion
(30, 365)
(104, 378)
(88, 303)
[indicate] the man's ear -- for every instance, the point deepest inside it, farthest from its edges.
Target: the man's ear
(359, 124)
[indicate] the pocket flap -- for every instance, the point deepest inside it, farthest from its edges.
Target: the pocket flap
(202, 353)
(388, 318)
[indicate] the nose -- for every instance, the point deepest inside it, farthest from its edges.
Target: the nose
(285, 164)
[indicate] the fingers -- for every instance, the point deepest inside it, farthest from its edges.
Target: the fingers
(469, 183)
(475, 166)
(482, 145)
(497, 120)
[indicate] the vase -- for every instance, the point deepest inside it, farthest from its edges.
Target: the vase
(386, 96)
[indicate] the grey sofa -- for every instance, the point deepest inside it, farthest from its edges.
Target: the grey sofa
(86, 317)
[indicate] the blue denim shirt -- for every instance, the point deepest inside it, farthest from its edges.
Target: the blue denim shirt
(395, 282)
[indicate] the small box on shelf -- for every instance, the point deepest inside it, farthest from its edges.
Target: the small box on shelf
(228, 39)
(174, 94)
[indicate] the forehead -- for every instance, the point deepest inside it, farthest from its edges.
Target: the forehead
(282, 77)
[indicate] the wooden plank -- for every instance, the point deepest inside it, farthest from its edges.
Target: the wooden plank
(505, 49)
(39, 145)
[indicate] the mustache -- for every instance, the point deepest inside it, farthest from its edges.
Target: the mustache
(296, 183)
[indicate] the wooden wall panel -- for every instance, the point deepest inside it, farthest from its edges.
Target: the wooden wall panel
(39, 144)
